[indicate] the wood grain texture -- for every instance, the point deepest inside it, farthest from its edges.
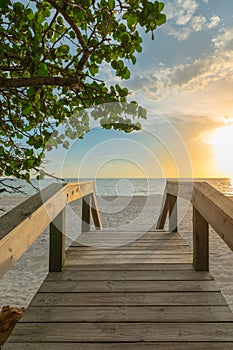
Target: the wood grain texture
(127, 275)
(132, 298)
(200, 242)
(123, 346)
(133, 267)
(128, 286)
(128, 314)
(172, 210)
(112, 305)
(122, 332)
(21, 226)
(57, 243)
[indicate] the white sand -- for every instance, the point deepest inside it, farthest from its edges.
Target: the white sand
(18, 286)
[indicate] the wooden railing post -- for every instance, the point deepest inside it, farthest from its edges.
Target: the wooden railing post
(57, 243)
(200, 242)
(172, 209)
(86, 213)
(95, 212)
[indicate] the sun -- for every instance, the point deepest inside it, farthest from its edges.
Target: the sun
(222, 140)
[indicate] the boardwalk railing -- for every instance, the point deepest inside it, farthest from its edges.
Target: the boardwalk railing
(21, 226)
(210, 207)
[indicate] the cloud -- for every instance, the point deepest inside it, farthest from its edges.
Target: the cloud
(192, 76)
(183, 19)
(213, 22)
(223, 41)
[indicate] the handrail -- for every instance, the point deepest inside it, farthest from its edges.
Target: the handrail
(210, 207)
(21, 226)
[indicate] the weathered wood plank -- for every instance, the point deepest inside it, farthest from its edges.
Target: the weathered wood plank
(20, 227)
(86, 213)
(145, 298)
(128, 286)
(123, 346)
(113, 332)
(57, 243)
(139, 234)
(164, 211)
(172, 210)
(95, 211)
(91, 251)
(130, 267)
(138, 245)
(182, 275)
(215, 207)
(200, 242)
(185, 258)
(159, 314)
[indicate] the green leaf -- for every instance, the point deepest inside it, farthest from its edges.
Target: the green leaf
(133, 59)
(27, 110)
(132, 20)
(66, 144)
(94, 69)
(125, 37)
(42, 70)
(72, 34)
(30, 15)
(161, 19)
(60, 20)
(30, 91)
(161, 6)
(126, 74)
(111, 4)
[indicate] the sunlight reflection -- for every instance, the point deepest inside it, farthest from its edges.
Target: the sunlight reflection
(222, 140)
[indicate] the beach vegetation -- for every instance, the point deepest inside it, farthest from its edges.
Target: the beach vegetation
(55, 57)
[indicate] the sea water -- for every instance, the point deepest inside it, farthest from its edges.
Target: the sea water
(121, 187)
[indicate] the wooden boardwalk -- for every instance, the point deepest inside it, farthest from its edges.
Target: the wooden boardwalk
(126, 291)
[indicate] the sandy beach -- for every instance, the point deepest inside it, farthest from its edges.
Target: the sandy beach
(139, 213)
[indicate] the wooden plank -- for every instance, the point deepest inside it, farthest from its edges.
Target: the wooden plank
(57, 243)
(164, 211)
(139, 245)
(20, 227)
(128, 286)
(125, 246)
(159, 314)
(139, 234)
(217, 210)
(90, 252)
(118, 332)
(163, 275)
(172, 210)
(95, 211)
(130, 267)
(86, 213)
(180, 189)
(200, 242)
(185, 258)
(215, 207)
(123, 299)
(123, 346)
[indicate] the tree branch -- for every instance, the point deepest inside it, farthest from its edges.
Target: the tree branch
(71, 23)
(38, 81)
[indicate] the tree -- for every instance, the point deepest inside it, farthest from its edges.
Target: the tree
(50, 56)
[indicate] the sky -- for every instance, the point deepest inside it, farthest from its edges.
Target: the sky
(184, 79)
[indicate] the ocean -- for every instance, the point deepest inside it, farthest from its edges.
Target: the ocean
(125, 204)
(122, 187)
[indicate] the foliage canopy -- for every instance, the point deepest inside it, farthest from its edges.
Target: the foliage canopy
(50, 55)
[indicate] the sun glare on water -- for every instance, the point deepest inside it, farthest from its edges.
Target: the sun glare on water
(222, 140)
